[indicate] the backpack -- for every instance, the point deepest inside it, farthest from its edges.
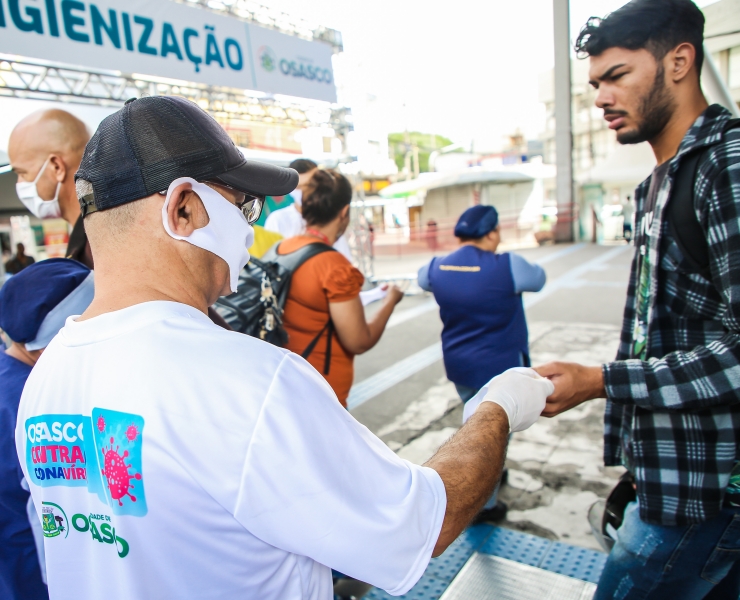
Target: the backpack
(682, 220)
(256, 308)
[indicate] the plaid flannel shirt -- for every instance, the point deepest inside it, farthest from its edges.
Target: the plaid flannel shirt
(674, 418)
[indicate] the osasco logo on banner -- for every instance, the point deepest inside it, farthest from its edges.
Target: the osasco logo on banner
(167, 39)
(269, 61)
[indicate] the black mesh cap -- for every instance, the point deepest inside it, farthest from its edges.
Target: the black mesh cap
(142, 148)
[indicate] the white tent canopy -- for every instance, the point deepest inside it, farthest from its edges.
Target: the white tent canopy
(432, 181)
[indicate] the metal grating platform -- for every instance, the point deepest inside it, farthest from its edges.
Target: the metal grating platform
(487, 577)
(573, 561)
(542, 555)
(515, 545)
(443, 569)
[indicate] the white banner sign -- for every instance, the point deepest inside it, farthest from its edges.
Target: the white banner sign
(166, 39)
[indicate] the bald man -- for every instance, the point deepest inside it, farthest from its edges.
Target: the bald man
(45, 151)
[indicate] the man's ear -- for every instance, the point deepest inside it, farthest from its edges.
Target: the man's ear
(345, 212)
(185, 212)
(58, 166)
(682, 58)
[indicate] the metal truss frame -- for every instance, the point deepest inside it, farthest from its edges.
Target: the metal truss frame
(39, 80)
(26, 78)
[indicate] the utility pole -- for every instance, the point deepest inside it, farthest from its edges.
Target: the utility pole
(563, 122)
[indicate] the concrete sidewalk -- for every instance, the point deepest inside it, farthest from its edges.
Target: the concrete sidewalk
(556, 469)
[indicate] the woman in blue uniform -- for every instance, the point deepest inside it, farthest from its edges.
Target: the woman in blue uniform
(479, 292)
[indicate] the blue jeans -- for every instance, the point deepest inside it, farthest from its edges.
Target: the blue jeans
(692, 562)
(466, 393)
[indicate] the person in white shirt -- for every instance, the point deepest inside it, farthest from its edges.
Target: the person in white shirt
(289, 221)
(181, 460)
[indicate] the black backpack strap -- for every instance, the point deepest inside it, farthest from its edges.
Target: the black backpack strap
(292, 261)
(682, 220)
(329, 328)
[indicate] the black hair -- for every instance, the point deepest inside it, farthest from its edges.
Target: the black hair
(655, 25)
(303, 165)
(328, 192)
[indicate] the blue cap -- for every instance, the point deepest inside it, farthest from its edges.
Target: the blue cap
(35, 303)
(476, 222)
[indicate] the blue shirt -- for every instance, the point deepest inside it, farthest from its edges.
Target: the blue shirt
(20, 574)
(479, 295)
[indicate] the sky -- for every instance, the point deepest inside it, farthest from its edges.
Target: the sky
(465, 69)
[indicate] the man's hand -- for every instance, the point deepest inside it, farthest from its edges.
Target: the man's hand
(574, 384)
(519, 391)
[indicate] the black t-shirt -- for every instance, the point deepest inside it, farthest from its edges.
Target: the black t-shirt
(78, 248)
(646, 214)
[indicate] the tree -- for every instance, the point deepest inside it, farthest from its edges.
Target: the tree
(401, 143)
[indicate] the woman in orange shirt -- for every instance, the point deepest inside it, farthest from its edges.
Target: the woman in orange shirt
(325, 291)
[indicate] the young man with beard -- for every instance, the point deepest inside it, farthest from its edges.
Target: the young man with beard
(673, 394)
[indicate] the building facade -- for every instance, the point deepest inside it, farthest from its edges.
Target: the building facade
(606, 173)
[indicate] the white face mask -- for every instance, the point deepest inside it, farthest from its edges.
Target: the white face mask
(29, 195)
(227, 235)
(297, 195)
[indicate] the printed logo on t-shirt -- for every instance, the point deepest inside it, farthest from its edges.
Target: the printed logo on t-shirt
(65, 450)
(101, 530)
(99, 527)
(55, 450)
(53, 520)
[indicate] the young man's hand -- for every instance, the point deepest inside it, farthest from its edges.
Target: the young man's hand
(574, 384)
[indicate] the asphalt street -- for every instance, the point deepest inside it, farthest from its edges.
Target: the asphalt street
(556, 471)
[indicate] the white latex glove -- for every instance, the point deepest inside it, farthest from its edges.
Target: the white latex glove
(521, 392)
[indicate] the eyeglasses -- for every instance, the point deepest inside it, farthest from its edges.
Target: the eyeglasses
(250, 205)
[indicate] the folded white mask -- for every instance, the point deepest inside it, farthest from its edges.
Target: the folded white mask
(29, 195)
(227, 235)
(297, 195)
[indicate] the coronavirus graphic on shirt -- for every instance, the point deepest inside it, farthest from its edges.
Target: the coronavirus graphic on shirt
(118, 445)
(132, 432)
(116, 472)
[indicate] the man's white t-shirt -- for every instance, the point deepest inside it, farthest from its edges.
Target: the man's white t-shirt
(289, 223)
(169, 458)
